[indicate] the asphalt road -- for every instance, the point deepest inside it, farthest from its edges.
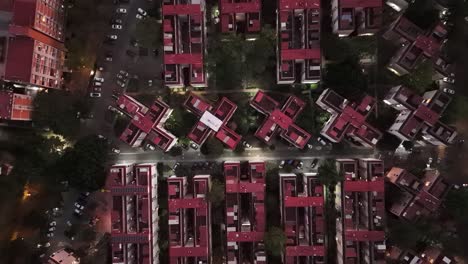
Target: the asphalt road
(120, 61)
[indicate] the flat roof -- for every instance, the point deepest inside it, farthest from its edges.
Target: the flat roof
(211, 121)
(22, 107)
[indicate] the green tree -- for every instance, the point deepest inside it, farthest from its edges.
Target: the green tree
(59, 112)
(456, 204)
(84, 164)
(347, 77)
(328, 174)
(420, 79)
(180, 122)
(217, 193)
(213, 147)
(175, 151)
(147, 32)
(275, 241)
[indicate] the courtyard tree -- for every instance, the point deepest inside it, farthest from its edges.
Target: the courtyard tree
(217, 193)
(327, 173)
(275, 241)
(213, 147)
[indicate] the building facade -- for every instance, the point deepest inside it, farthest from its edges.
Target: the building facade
(348, 119)
(15, 107)
(134, 213)
(189, 220)
(245, 212)
(34, 49)
(184, 40)
(360, 201)
(361, 18)
(280, 120)
(298, 55)
(302, 217)
(420, 115)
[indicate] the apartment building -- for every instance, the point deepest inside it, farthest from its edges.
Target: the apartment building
(134, 213)
(147, 123)
(348, 119)
(420, 115)
(357, 18)
(302, 217)
(184, 40)
(280, 120)
(245, 212)
(299, 56)
(360, 199)
(213, 120)
(240, 16)
(189, 220)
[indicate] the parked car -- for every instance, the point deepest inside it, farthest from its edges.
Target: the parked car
(176, 165)
(121, 11)
(139, 16)
(117, 21)
(116, 26)
(97, 89)
(321, 141)
(281, 165)
(50, 235)
(99, 79)
(94, 95)
(116, 150)
(314, 163)
(96, 83)
(113, 37)
(53, 223)
(108, 58)
(194, 146)
(52, 229)
(449, 91)
(79, 206)
(134, 42)
(149, 147)
(448, 80)
(246, 144)
(124, 73)
(142, 12)
(121, 83)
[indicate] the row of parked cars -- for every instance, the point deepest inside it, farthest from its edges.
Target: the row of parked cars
(96, 86)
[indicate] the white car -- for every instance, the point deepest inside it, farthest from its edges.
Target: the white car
(97, 83)
(116, 26)
(50, 234)
(120, 83)
(108, 58)
(47, 245)
(53, 223)
(124, 73)
(246, 144)
(79, 206)
(114, 37)
(94, 94)
(138, 16)
(99, 79)
(116, 150)
(52, 229)
(449, 91)
(69, 223)
(448, 80)
(321, 141)
(142, 12)
(121, 10)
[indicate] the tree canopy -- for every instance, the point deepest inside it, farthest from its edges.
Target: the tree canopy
(420, 79)
(213, 147)
(275, 241)
(327, 173)
(84, 164)
(58, 111)
(217, 193)
(234, 62)
(147, 32)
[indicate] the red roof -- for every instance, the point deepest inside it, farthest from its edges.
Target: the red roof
(186, 251)
(290, 201)
(430, 46)
(6, 5)
(6, 99)
(181, 9)
(364, 186)
(245, 187)
(427, 115)
(305, 251)
(175, 204)
(252, 6)
(22, 107)
(194, 58)
(360, 3)
(19, 58)
(298, 4)
(41, 37)
(298, 54)
(245, 236)
(364, 235)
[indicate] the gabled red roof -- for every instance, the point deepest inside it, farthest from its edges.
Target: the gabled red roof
(192, 9)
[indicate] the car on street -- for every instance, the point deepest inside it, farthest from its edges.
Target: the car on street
(121, 83)
(149, 147)
(69, 223)
(281, 165)
(119, 76)
(139, 16)
(108, 58)
(121, 11)
(116, 26)
(194, 146)
(124, 73)
(113, 36)
(314, 163)
(246, 144)
(52, 229)
(321, 141)
(449, 91)
(50, 235)
(134, 43)
(77, 213)
(79, 206)
(97, 83)
(117, 21)
(53, 223)
(99, 79)
(176, 165)
(150, 83)
(94, 95)
(96, 89)
(115, 150)
(448, 80)
(142, 12)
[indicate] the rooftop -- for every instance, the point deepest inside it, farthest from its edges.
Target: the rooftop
(15, 106)
(280, 120)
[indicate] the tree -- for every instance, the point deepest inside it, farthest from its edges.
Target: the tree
(180, 122)
(147, 32)
(59, 112)
(217, 193)
(275, 241)
(175, 151)
(347, 77)
(327, 173)
(456, 204)
(420, 78)
(213, 147)
(84, 164)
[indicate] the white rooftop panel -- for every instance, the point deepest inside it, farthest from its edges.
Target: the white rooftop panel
(211, 121)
